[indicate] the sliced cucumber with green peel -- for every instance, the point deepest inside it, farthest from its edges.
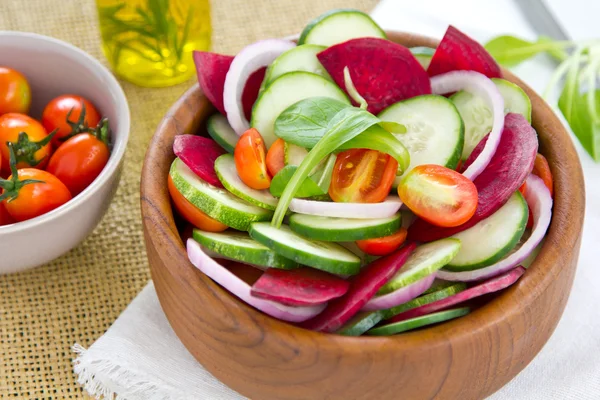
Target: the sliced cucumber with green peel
(326, 256)
(423, 55)
(477, 116)
(438, 284)
(286, 90)
(493, 238)
(228, 175)
(425, 260)
(239, 246)
(332, 229)
(219, 129)
(337, 26)
(293, 155)
(299, 58)
(217, 203)
(435, 130)
(418, 322)
(364, 321)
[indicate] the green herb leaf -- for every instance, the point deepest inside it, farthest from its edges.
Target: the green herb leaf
(393, 127)
(323, 175)
(510, 50)
(559, 54)
(570, 91)
(309, 187)
(305, 122)
(345, 125)
(377, 138)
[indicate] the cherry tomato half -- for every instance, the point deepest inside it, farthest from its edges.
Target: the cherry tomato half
(439, 195)
(70, 114)
(250, 160)
(191, 213)
(362, 176)
(78, 161)
(275, 157)
(15, 93)
(542, 169)
(32, 149)
(384, 245)
(29, 200)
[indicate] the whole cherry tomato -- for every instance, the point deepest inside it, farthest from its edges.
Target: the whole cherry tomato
(384, 245)
(80, 159)
(5, 218)
(275, 157)
(439, 195)
(15, 93)
(30, 140)
(362, 176)
(30, 192)
(69, 114)
(191, 213)
(250, 160)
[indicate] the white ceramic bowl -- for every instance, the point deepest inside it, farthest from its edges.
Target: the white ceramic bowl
(53, 68)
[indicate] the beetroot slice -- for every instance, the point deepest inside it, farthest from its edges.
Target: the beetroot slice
(199, 154)
(362, 288)
(458, 51)
(491, 285)
(509, 168)
(212, 68)
(299, 287)
(383, 72)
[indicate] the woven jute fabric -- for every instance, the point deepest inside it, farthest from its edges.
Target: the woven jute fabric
(43, 312)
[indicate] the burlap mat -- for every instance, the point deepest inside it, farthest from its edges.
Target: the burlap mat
(76, 298)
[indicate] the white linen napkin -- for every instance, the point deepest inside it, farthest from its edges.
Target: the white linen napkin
(140, 357)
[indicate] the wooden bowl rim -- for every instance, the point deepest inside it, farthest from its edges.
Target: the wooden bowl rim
(565, 229)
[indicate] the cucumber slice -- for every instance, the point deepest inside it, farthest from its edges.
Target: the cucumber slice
(293, 155)
(493, 238)
(286, 90)
(478, 117)
(219, 129)
(337, 26)
(332, 229)
(326, 256)
(435, 130)
(425, 260)
(364, 321)
(217, 203)
(423, 55)
(228, 175)
(418, 322)
(239, 246)
(299, 58)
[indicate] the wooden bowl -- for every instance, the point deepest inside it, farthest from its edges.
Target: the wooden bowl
(263, 358)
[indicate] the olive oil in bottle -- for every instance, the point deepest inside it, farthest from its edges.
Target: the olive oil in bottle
(150, 42)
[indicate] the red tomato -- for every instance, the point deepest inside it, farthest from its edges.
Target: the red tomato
(362, 176)
(523, 188)
(78, 161)
(191, 213)
(542, 169)
(29, 200)
(32, 148)
(275, 157)
(5, 218)
(250, 160)
(439, 195)
(15, 93)
(70, 114)
(384, 245)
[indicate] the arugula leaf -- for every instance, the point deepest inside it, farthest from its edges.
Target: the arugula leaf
(377, 138)
(309, 187)
(304, 123)
(345, 125)
(510, 50)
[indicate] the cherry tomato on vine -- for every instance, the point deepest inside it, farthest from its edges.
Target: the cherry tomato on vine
(80, 159)
(439, 195)
(250, 160)
(30, 140)
(191, 213)
(69, 114)
(275, 157)
(15, 93)
(5, 218)
(384, 245)
(362, 176)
